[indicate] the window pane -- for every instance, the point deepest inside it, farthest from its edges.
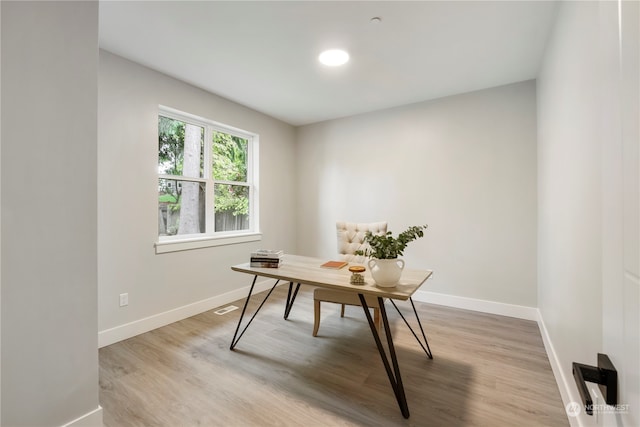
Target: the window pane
(230, 154)
(181, 207)
(231, 207)
(180, 148)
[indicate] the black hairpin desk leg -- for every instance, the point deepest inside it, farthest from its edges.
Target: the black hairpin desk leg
(290, 300)
(235, 340)
(426, 349)
(394, 375)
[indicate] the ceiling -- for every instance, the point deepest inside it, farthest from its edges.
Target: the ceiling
(264, 54)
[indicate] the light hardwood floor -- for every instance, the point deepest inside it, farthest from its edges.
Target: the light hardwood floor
(487, 371)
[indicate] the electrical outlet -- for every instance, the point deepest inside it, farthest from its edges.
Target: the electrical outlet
(124, 299)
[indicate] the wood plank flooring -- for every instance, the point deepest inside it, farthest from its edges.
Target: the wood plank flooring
(487, 371)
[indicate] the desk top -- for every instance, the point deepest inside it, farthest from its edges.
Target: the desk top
(307, 271)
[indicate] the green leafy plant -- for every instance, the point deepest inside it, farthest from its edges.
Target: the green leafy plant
(385, 246)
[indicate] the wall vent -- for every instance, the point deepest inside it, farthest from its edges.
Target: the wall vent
(225, 310)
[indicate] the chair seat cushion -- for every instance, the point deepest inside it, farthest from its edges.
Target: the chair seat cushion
(341, 297)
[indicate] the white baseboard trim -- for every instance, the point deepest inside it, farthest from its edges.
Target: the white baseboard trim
(566, 391)
(128, 330)
(90, 419)
(484, 306)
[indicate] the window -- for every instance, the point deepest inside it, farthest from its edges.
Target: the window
(207, 183)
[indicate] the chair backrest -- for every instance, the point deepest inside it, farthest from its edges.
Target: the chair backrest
(351, 237)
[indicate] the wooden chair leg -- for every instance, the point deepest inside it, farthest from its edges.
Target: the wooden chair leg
(342, 311)
(316, 317)
(376, 318)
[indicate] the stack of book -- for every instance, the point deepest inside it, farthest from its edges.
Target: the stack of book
(266, 258)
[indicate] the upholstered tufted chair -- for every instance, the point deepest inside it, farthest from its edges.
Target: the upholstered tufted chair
(350, 239)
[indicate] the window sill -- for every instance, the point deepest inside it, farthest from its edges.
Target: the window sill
(167, 246)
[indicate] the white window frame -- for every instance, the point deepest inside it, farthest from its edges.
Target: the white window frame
(210, 237)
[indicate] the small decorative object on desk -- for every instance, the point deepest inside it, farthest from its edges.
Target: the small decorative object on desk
(266, 258)
(356, 277)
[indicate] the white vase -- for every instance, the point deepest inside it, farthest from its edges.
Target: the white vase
(386, 272)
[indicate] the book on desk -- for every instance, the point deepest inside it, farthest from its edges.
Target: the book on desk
(336, 265)
(266, 258)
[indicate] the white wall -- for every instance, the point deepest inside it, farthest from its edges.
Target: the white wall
(466, 165)
(129, 95)
(49, 227)
(587, 173)
(569, 186)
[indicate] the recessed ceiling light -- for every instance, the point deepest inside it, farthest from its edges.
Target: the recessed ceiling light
(333, 57)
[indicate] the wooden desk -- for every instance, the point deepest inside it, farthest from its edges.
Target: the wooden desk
(307, 271)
